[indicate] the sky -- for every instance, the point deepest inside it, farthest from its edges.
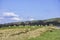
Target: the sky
(23, 10)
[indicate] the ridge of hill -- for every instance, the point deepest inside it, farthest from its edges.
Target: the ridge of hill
(52, 19)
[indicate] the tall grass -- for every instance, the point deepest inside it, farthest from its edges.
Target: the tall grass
(55, 35)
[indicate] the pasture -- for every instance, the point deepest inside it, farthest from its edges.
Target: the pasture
(55, 35)
(29, 33)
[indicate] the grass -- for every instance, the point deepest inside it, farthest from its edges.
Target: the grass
(19, 33)
(55, 35)
(21, 27)
(23, 33)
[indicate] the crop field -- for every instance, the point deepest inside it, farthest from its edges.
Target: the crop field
(30, 33)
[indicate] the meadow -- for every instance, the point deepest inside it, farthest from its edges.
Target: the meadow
(55, 35)
(29, 33)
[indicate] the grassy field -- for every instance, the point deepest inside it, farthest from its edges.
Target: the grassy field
(55, 35)
(21, 27)
(29, 33)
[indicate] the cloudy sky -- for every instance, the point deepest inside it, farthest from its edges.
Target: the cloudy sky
(22, 10)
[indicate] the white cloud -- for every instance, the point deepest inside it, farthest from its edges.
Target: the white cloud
(10, 14)
(16, 18)
(32, 19)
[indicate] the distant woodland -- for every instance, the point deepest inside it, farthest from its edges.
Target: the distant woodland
(48, 22)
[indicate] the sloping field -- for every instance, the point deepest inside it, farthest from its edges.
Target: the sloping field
(21, 34)
(55, 35)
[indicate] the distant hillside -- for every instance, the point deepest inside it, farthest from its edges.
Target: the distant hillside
(52, 19)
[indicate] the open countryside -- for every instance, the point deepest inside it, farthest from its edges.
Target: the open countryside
(30, 31)
(29, 19)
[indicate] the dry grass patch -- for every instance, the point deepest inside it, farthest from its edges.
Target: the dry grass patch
(21, 34)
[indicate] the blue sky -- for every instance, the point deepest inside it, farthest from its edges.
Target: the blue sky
(21, 10)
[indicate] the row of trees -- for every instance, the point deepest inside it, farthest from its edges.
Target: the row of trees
(31, 23)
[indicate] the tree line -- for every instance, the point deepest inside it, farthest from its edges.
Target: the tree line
(31, 23)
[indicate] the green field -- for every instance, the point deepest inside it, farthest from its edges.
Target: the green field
(29, 33)
(55, 35)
